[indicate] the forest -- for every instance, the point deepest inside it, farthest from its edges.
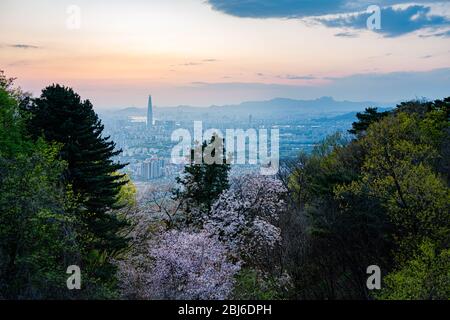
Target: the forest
(377, 195)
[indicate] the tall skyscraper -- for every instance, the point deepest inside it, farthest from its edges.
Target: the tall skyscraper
(149, 112)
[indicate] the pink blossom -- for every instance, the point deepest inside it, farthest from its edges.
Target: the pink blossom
(183, 265)
(244, 217)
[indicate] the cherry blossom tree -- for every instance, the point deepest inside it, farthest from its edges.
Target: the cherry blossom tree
(184, 265)
(245, 217)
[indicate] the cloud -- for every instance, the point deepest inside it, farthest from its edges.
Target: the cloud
(19, 63)
(195, 63)
(188, 64)
(347, 35)
(289, 76)
(395, 86)
(276, 8)
(297, 8)
(442, 34)
(395, 21)
(23, 46)
(297, 77)
(344, 13)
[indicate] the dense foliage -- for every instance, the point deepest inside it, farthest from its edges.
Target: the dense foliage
(202, 182)
(58, 189)
(379, 199)
(376, 196)
(60, 116)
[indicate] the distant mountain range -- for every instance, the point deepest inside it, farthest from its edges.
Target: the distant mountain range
(275, 109)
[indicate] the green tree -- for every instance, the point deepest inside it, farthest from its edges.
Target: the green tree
(398, 172)
(59, 115)
(329, 240)
(201, 183)
(37, 238)
(426, 276)
(374, 200)
(252, 285)
(365, 119)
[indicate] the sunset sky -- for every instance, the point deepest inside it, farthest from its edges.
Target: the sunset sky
(197, 52)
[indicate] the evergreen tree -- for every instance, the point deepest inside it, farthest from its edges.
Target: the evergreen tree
(59, 115)
(369, 116)
(202, 183)
(35, 231)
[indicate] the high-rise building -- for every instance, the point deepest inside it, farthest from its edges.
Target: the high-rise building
(152, 169)
(149, 112)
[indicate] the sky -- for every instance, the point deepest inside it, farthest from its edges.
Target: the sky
(217, 52)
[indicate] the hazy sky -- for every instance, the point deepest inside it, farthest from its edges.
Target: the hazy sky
(200, 52)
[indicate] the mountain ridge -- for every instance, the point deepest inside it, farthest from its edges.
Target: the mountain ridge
(320, 105)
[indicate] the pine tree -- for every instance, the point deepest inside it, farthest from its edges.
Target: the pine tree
(59, 115)
(202, 183)
(35, 230)
(365, 119)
